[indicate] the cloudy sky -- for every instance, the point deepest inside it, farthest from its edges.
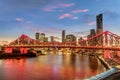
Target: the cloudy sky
(52, 16)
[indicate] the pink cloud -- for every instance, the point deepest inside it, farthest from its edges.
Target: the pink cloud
(52, 8)
(79, 11)
(19, 19)
(75, 18)
(91, 23)
(67, 5)
(66, 15)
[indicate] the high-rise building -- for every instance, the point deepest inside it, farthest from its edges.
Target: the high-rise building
(46, 39)
(99, 20)
(81, 42)
(52, 38)
(92, 32)
(93, 41)
(88, 41)
(63, 36)
(42, 37)
(70, 38)
(37, 36)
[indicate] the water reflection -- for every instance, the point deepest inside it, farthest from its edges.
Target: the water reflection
(93, 62)
(50, 67)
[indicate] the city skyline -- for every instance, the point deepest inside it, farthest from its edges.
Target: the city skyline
(28, 17)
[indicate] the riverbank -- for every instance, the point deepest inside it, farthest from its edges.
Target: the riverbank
(14, 55)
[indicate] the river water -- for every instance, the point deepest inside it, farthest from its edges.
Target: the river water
(51, 67)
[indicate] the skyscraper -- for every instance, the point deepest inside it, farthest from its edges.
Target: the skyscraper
(42, 37)
(46, 39)
(52, 38)
(93, 33)
(63, 36)
(37, 36)
(70, 38)
(99, 20)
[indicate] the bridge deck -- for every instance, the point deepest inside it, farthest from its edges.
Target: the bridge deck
(82, 47)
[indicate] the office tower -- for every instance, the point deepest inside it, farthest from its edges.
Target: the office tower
(46, 39)
(70, 38)
(37, 36)
(63, 36)
(92, 32)
(88, 41)
(42, 37)
(93, 41)
(52, 38)
(99, 20)
(81, 41)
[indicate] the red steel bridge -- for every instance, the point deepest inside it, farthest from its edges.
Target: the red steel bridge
(106, 41)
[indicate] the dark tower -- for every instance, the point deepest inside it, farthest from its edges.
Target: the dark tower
(99, 20)
(63, 36)
(93, 33)
(52, 38)
(37, 35)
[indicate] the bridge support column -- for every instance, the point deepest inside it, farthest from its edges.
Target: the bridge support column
(118, 53)
(106, 38)
(107, 54)
(8, 50)
(23, 50)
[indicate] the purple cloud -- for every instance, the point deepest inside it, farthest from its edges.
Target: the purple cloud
(52, 8)
(66, 15)
(75, 18)
(19, 19)
(91, 23)
(89, 19)
(67, 5)
(79, 10)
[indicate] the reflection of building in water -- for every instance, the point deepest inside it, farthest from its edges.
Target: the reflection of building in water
(69, 59)
(93, 62)
(93, 65)
(73, 59)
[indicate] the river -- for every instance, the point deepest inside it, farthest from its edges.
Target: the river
(51, 67)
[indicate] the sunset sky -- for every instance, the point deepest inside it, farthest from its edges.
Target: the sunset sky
(52, 16)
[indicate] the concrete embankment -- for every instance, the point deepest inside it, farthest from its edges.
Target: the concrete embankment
(112, 73)
(107, 66)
